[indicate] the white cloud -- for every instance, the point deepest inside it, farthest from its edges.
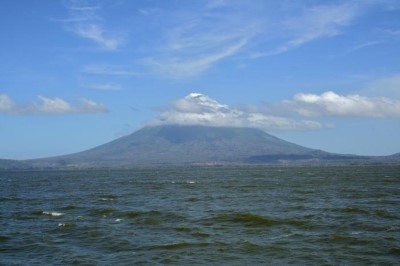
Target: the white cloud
(199, 109)
(90, 106)
(332, 104)
(51, 106)
(54, 106)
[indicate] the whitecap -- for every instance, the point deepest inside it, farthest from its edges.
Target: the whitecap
(53, 213)
(106, 199)
(280, 236)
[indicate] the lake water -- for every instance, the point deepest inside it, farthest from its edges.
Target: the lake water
(202, 216)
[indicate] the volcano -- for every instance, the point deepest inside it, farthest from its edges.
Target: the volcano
(191, 145)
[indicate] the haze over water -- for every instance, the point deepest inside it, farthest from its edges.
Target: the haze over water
(187, 216)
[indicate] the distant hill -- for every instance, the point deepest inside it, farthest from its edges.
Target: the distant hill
(13, 164)
(395, 157)
(192, 145)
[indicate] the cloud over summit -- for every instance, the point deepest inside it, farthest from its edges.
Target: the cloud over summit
(200, 109)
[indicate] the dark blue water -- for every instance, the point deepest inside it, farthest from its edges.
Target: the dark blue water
(202, 216)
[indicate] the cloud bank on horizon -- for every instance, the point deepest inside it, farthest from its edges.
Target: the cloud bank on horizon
(200, 109)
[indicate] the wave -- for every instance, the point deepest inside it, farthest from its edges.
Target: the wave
(48, 213)
(104, 212)
(200, 234)
(249, 219)
(70, 207)
(251, 247)
(348, 239)
(395, 251)
(353, 210)
(183, 229)
(4, 238)
(9, 199)
(357, 210)
(66, 225)
(135, 214)
(385, 214)
(197, 233)
(165, 216)
(108, 197)
(147, 217)
(176, 245)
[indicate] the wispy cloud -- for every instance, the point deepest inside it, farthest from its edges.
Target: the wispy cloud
(388, 85)
(392, 32)
(84, 21)
(198, 39)
(332, 104)
(364, 45)
(199, 109)
(109, 70)
(187, 39)
(103, 86)
(96, 33)
(6, 104)
(312, 23)
(182, 66)
(51, 106)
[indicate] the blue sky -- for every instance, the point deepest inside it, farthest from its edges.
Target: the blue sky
(76, 74)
